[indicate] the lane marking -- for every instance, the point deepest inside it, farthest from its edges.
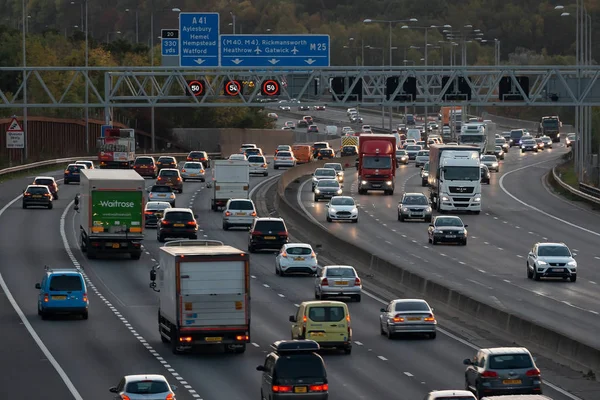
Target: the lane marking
(358, 343)
(408, 374)
(280, 295)
(382, 358)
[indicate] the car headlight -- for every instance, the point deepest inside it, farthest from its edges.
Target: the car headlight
(428, 209)
(403, 158)
(317, 191)
(445, 198)
(437, 231)
(405, 209)
(314, 179)
(341, 173)
(339, 191)
(363, 182)
(172, 195)
(523, 146)
(332, 210)
(477, 199)
(425, 173)
(389, 183)
(354, 210)
(495, 164)
(542, 262)
(572, 263)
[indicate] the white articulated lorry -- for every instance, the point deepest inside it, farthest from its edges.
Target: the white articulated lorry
(490, 133)
(473, 134)
(455, 178)
(231, 180)
(204, 295)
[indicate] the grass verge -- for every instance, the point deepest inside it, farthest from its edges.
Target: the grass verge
(566, 172)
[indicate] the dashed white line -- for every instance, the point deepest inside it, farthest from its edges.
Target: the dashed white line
(252, 276)
(297, 305)
(462, 262)
(506, 280)
(520, 256)
(443, 255)
(518, 227)
(408, 374)
(403, 235)
(482, 271)
(506, 222)
(597, 258)
(358, 343)
(495, 217)
(280, 294)
(382, 358)
(593, 283)
(255, 344)
(265, 285)
(486, 242)
(388, 242)
(531, 233)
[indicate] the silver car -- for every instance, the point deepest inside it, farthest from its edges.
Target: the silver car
(338, 169)
(413, 150)
(193, 170)
(551, 260)
(452, 395)
(144, 387)
(547, 142)
(322, 173)
(407, 316)
(421, 158)
(258, 165)
(342, 208)
(284, 159)
(491, 161)
(414, 206)
(238, 212)
(326, 189)
(162, 193)
(337, 281)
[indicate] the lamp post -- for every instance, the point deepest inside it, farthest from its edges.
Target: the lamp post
(109, 33)
(232, 22)
(426, 29)
(81, 13)
(390, 23)
(137, 26)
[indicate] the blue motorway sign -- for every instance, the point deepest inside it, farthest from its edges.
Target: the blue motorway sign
(169, 42)
(199, 39)
(103, 129)
(274, 50)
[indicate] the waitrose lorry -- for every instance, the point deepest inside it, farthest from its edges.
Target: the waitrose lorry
(111, 203)
(204, 295)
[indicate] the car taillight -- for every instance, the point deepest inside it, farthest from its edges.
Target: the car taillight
(67, 171)
(203, 159)
(253, 214)
(324, 282)
(160, 178)
(27, 194)
(284, 254)
(318, 388)
(281, 389)
(228, 213)
(189, 159)
(46, 298)
(170, 396)
(256, 233)
(282, 233)
(149, 213)
(191, 223)
(125, 397)
(398, 318)
(47, 194)
(274, 158)
(357, 282)
(178, 179)
(201, 171)
(264, 165)
(313, 255)
(489, 374)
(183, 170)
(533, 372)
(85, 298)
(163, 222)
(304, 319)
(429, 318)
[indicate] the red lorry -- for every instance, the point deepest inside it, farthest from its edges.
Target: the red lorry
(376, 163)
(116, 149)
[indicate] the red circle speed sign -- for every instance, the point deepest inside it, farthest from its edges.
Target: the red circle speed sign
(270, 87)
(196, 87)
(232, 88)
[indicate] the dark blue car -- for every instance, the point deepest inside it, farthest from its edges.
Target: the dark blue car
(73, 173)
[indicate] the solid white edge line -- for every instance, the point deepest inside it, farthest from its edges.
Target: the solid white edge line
(61, 372)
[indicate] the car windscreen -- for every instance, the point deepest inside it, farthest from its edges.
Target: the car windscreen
(252, 151)
(516, 134)
(299, 365)
(340, 273)
(326, 151)
(88, 164)
(349, 148)
(269, 226)
(529, 141)
(75, 168)
(488, 158)
(196, 155)
(325, 172)
(143, 161)
(256, 159)
(510, 361)
(179, 216)
(328, 184)
(37, 190)
(411, 306)
(168, 173)
(326, 314)
(166, 160)
(375, 162)
(337, 167)
(413, 148)
(65, 283)
(461, 173)
(44, 182)
(423, 154)
(320, 145)
(284, 154)
(192, 165)
(147, 387)
(342, 202)
(415, 201)
(448, 222)
(298, 251)
(400, 153)
(553, 251)
(157, 206)
(241, 205)
(161, 189)
(500, 141)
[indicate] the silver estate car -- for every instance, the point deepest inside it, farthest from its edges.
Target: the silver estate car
(407, 316)
(337, 281)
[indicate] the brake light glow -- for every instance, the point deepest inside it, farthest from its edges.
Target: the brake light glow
(324, 282)
(357, 282)
(264, 165)
(489, 374)
(192, 223)
(313, 255)
(67, 171)
(348, 320)
(85, 298)
(189, 159)
(281, 389)
(282, 233)
(228, 213)
(533, 372)
(47, 194)
(186, 339)
(284, 254)
(170, 396)
(163, 222)
(46, 298)
(429, 318)
(160, 178)
(318, 388)
(149, 213)
(178, 179)
(27, 194)
(125, 397)
(304, 319)
(256, 233)
(242, 337)
(253, 214)
(183, 170)
(398, 318)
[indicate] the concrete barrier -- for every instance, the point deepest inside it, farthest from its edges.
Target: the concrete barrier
(539, 338)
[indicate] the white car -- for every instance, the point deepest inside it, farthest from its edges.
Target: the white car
(193, 170)
(282, 107)
(322, 173)
(289, 124)
(296, 257)
(551, 260)
(238, 212)
(490, 161)
(337, 281)
(238, 157)
(421, 158)
(454, 395)
(162, 193)
(367, 129)
(446, 130)
(351, 111)
(346, 129)
(144, 387)
(248, 146)
(258, 165)
(272, 116)
(342, 208)
(87, 163)
(284, 159)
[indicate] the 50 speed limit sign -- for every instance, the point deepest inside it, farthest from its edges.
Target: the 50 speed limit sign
(196, 87)
(232, 88)
(270, 88)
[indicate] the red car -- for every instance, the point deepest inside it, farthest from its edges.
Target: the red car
(145, 166)
(49, 182)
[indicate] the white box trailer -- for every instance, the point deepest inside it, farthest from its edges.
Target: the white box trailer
(231, 180)
(204, 295)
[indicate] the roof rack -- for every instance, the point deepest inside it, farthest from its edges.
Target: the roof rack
(180, 243)
(295, 346)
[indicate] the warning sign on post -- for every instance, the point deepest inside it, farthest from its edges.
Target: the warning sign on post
(15, 137)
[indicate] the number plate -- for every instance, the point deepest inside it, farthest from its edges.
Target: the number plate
(298, 258)
(213, 339)
(116, 245)
(162, 195)
(300, 389)
(341, 283)
(270, 238)
(317, 334)
(37, 196)
(75, 173)
(169, 183)
(178, 225)
(511, 381)
(558, 270)
(451, 236)
(193, 174)
(240, 214)
(59, 297)
(413, 319)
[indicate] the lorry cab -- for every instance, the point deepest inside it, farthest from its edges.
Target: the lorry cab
(376, 163)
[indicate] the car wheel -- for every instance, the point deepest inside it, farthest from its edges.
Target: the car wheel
(348, 350)
(66, 182)
(276, 269)
(536, 276)
(464, 242)
(55, 196)
(400, 217)
(44, 315)
(381, 331)
(275, 167)
(529, 272)
(433, 241)
(50, 206)
(136, 256)
(357, 298)
(432, 335)
(84, 315)
(355, 221)
(390, 335)
(251, 249)
(180, 191)
(266, 174)
(329, 219)
(317, 296)
(184, 179)
(428, 219)
(573, 278)
(316, 199)
(160, 238)
(225, 226)
(24, 206)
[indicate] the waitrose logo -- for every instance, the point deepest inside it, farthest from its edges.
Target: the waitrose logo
(117, 204)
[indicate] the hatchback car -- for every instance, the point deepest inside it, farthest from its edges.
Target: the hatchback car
(540, 143)
(401, 157)
(447, 229)
(312, 129)
(253, 152)
(88, 164)
(49, 182)
(258, 165)
(138, 387)
(491, 162)
(145, 166)
(325, 154)
(499, 152)
(338, 169)
(326, 322)
(293, 370)
(547, 141)
(503, 144)
(407, 316)
(267, 234)
(72, 173)
(425, 174)
(193, 170)
(318, 146)
(284, 159)
(421, 158)
(412, 151)
(322, 173)
(162, 193)
(239, 157)
(177, 223)
(342, 208)
(551, 260)
(296, 257)
(337, 281)
(200, 156)
(238, 213)
(452, 395)
(283, 147)
(502, 370)
(301, 124)
(166, 162)
(349, 151)
(326, 189)
(486, 176)
(529, 145)
(414, 206)
(290, 124)
(170, 177)
(153, 212)
(62, 291)
(37, 196)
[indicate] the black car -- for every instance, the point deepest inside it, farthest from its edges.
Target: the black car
(323, 154)
(485, 174)
(327, 188)
(447, 229)
(37, 196)
(515, 137)
(349, 151)
(200, 156)
(529, 145)
(177, 223)
(267, 233)
(304, 108)
(294, 371)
